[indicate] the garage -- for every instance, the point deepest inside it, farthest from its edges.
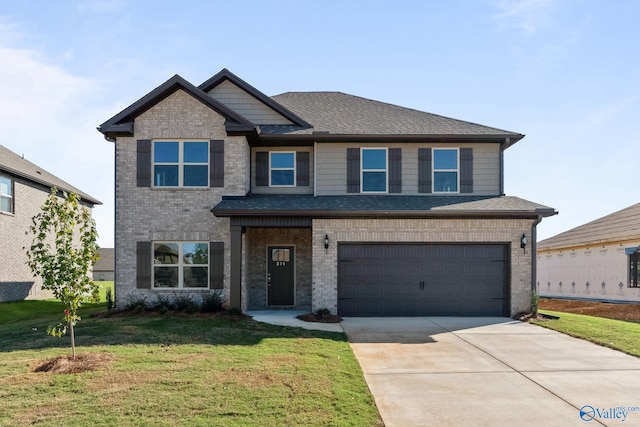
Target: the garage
(423, 279)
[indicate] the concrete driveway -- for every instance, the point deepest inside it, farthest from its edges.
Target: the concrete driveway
(449, 371)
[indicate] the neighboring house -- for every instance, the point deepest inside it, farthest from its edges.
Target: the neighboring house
(103, 268)
(599, 260)
(313, 200)
(24, 187)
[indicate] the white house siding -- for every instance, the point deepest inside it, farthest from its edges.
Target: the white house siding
(16, 280)
(598, 272)
(331, 162)
(507, 231)
(246, 105)
(184, 214)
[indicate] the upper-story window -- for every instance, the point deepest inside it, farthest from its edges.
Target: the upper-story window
(181, 163)
(445, 170)
(6, 194)
(282, 169)
(374, 170)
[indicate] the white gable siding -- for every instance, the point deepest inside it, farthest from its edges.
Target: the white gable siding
(246, 105)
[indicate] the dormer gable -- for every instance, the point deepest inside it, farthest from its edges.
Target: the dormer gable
(122, 123)
(230, 90)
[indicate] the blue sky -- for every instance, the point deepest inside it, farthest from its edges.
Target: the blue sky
(564, 72)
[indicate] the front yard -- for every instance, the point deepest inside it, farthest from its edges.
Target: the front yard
(178, 370)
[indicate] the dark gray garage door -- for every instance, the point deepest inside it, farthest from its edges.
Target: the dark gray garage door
(422, 280)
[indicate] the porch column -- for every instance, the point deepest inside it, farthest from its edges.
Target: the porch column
(235, 295)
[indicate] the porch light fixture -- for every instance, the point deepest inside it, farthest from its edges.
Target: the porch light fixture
(326, 243)
(523, 242)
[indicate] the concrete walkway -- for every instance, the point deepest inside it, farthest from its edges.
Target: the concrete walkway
(288, 318)
(447, 371)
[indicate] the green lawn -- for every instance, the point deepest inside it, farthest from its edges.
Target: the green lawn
(171, 371)
(616, 334)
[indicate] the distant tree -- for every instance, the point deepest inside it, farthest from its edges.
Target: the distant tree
(65, 266)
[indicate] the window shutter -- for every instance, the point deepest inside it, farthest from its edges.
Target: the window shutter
(216, 163)
(143, 265)
(143, 173)
(302, 168)
(216, 265)
(424, 170)
(262, 169)
(466, 170)
(395, 170)
(353, 170)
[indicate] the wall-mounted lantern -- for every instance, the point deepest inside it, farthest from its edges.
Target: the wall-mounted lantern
(523, 242)
(326, 243)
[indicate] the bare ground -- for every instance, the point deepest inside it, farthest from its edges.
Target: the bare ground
(629, 312)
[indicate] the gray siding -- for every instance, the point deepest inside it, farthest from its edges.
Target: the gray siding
(331, 162)
(282, 190)
(246, 105)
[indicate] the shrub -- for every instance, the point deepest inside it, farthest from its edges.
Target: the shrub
(322, 312)
(109, 297)
(182, 301)
(137, 304)
(163, 303)
(212, 302)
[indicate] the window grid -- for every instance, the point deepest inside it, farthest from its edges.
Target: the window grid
(181, 164)
(6, 194)
(174, 265)
(372, 170)
(634, 270)
(439, 172)
(291, 168)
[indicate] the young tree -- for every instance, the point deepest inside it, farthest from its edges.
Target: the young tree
(65, 266)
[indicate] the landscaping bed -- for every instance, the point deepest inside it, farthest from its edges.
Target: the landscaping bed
(618, 311)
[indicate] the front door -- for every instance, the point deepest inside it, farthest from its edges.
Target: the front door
(280, 276)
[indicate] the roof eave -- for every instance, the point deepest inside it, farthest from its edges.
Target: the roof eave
(505, 141)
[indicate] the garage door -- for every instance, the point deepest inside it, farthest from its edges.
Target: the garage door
(422, 280)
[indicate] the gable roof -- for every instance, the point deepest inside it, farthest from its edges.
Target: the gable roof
(623, 225)
(122, 123)
(341, 114)
(225, 74)
(18, 166)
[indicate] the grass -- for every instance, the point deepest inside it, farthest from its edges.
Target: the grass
(191, 371)
(617, 334)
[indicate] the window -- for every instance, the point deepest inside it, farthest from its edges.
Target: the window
(181, 163)
(374, 170)
(634, 269)
(445, 170)
(6, 194)
(180, 265)
(282, 169)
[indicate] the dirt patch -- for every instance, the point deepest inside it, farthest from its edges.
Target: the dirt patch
(630, 312)
(82, 363)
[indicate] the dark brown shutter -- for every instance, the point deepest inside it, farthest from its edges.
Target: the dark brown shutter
(466, 170)
(424, 170)
(216, 265)
(143, 173)
(143, 265)
(353, 170)
(262, 169)
(395, 170)
(302, 168)
(216, 163)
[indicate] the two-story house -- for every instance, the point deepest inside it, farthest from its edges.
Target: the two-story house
(314, 200)
(24, 187)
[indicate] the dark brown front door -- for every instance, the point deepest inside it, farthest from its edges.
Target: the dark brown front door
(280, 276)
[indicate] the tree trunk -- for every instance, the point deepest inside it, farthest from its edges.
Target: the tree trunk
(73, 341)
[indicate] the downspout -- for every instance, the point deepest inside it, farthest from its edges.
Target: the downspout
(534, 254)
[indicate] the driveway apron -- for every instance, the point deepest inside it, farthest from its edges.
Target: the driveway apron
(451, 371)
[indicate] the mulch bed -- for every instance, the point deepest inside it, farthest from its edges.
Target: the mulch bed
(326, 318)
(82, 363)
(629, 312)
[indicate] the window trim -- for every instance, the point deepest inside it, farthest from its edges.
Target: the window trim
(434, 170)
(293, 169)
(180, 265)
(633, 270)
(181, 163)
(386, 170)
(9, 196)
